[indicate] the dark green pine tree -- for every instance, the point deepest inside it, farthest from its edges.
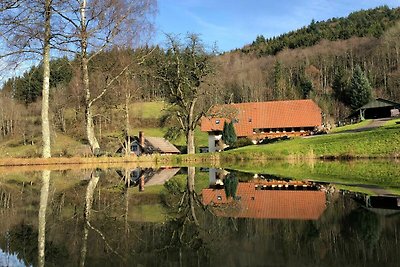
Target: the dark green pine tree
(229, 134)
(225, 132)
(306, 87)
(339, 85)
(232, 134)
(359, 91)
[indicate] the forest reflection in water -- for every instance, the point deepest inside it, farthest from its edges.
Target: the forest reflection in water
(189, 217)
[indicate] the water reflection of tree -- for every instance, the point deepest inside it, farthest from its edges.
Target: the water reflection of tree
(89, 196)
(230, 185)
(44, 195)
(186, 229)
(362, 225)
(94, 179)
(31, 245)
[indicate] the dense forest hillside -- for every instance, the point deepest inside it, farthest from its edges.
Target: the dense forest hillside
(322, 61)
(365, 23)
(322, 67)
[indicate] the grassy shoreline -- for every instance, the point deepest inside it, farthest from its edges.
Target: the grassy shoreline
(381, 143)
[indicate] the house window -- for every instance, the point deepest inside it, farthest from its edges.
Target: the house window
(134, 147)
(217, 121)
(250, 119)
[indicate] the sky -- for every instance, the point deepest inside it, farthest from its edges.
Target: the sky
(234, 23)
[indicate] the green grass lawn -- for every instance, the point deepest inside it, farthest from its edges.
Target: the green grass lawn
(62, 145)
(351, 126)
(381, 142)
(392, 122)
(147, 110)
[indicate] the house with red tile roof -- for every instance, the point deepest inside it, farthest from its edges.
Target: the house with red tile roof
(259, 120)
(252, 202)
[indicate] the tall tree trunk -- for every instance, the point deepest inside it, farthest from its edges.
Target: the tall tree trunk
(90, 134)
(190, 128)
(127, 124)
(46, 152)
(190, 142)
(44, 195)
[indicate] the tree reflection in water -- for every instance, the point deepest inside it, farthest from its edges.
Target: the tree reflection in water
(94, 179)
(44, 195)
(90, 190)
(99, 222)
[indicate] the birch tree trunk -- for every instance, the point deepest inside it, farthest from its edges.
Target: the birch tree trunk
(90, 134)
(127, 124)
(44, 195)
(46, 149)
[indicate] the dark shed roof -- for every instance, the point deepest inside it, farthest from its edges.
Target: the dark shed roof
(380, 103)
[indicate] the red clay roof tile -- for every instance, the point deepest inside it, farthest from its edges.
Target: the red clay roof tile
(259, 115)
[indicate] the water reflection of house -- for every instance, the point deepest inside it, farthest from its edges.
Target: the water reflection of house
(263, 198)
(253, 202)
(148, 176)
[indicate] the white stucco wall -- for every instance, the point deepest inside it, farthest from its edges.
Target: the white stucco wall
(211, 141)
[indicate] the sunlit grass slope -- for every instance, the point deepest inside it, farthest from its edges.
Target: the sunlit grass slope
(66, 145)
(380, 142)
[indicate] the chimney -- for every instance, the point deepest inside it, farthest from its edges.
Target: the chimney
(141, 139)
(141, 185)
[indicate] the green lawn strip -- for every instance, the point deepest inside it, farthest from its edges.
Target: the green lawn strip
(380, 142)
(147, 110)
(350, 126)
(355, 189)
(392, 122)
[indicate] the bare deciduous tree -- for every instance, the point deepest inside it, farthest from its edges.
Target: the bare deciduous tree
(25, 32)
(91, 28)
(185, 71)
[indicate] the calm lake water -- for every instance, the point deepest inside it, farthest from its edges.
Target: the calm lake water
(272, 215)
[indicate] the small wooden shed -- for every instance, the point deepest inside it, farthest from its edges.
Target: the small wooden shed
(378, 108)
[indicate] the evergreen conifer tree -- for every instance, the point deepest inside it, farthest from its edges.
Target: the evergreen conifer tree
(229, 134)
(232, 134)
(359, 91)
